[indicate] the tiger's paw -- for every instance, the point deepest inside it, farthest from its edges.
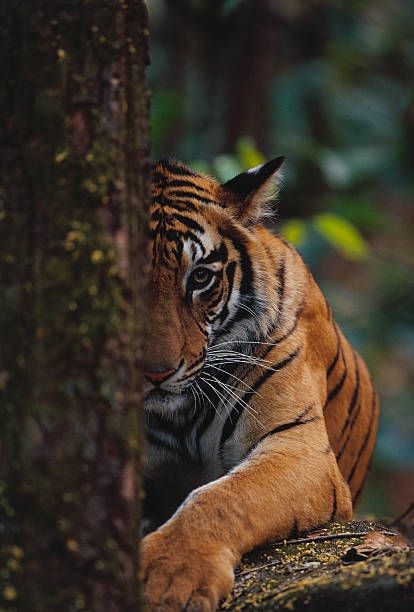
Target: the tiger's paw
(184, 575)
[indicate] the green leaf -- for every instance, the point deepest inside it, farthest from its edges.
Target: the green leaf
(294, 231)
(342, 235)
(199, 165)
(248, 154)
(226, 167)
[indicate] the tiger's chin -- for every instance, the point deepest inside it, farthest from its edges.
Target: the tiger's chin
(166, 401)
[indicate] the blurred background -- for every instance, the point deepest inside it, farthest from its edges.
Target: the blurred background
(329, 84)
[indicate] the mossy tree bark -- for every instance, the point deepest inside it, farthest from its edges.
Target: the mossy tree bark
(74, 157)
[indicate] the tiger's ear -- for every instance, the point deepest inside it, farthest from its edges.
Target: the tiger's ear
(255, 191)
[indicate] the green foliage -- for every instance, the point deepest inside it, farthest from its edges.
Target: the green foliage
(294, 230)
(248, 154)
(342, 235)
(224, 167)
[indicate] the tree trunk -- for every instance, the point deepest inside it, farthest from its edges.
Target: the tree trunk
(74, 157)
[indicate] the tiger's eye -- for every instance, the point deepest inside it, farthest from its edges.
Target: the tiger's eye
(201, 276)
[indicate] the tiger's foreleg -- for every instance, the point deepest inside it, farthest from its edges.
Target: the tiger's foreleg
(287, 483)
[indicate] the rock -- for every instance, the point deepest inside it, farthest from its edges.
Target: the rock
(314, 576)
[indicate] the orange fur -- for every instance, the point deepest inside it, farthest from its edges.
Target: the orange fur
(296, 420)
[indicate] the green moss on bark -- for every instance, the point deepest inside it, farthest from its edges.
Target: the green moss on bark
(73, 200)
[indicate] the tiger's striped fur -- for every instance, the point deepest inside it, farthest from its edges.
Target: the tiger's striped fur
(266, 422)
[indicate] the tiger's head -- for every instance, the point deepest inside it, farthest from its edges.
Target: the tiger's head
(210, 281)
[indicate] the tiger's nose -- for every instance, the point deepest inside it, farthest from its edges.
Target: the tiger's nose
(157, 378)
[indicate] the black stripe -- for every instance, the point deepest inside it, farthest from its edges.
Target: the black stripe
(334, 392)
(194, 196)
(275, 368)
(174, 166)
(178, 251)
(286, 426)
(334, 504)
(351, 408)
(191, 374)
(216, 302)
(266, 351)
(247, 277)
(188, 222)
(230, 272)
(281, 289)
(208, 293)
(344, 445)
(201, 328)
(174, 236)
(184, 183)
(156, 215)
(183, 205)
(217, 254)
(232, 419)
(354, 395)
(338, 350)
(197, 362)
(292, 329)
(158, 177)
(366, 439)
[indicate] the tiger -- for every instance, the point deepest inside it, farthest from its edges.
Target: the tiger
(260, 417)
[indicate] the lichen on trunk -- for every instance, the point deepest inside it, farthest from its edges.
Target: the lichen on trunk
(74, 158)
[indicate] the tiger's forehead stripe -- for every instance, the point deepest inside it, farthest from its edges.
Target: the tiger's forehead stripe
(180, 183)
(190, 194)
(217, 254)
(174, 185)
(180, 200)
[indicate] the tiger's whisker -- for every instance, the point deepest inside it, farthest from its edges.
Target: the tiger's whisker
(239, 400)
(232, 390)
(241, 342)
(207, 397)
(222, 398)
(236, 377)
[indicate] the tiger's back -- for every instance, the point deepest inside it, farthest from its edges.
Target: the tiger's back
(351, 403)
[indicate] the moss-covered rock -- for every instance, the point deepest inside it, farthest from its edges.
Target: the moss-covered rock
(314, 576)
